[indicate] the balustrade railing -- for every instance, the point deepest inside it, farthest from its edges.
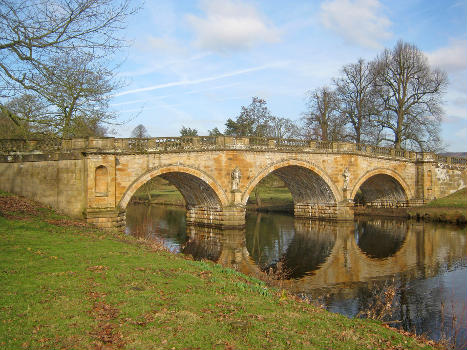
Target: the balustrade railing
(138, 145)
(259, 142)
(400, 153)
(167, 144)
(361, 147)
(441, 159)
(207, 140)
(380, 150)
(292, 143)
(459, 161)
(323, 145)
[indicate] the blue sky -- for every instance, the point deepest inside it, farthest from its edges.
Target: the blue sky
(195, 63)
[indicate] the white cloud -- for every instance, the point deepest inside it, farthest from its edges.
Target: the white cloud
(229, 26)
(359, 21)
(452, 58)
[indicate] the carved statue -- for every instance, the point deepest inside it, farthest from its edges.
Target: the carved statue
(236, 176)
(346, 176)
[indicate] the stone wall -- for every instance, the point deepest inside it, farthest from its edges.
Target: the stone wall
(57, 183)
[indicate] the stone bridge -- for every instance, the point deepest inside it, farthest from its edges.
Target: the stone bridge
(95, 178)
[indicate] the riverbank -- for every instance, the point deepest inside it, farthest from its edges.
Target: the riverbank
(452, 209)
(69, 285)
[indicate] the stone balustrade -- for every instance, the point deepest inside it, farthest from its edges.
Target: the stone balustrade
(197, 143)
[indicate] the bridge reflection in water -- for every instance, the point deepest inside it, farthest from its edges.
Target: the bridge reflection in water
(342, 261)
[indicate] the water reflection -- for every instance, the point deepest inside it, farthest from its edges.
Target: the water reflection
(380, 238)
(340, 262)
(158, 222)
(203, 244)
(310, 247)
(316, 253)
(301, 245)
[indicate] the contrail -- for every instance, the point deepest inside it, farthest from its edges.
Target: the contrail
(199, 81)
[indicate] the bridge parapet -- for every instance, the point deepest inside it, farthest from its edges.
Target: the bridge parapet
(200, 143)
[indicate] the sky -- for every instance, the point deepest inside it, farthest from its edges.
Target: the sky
(195, 63)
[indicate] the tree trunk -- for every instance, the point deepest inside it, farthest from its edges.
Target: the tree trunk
(148, 192)
(258, 198)
(398, 133)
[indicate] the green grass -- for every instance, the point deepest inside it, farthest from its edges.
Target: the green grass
(272, 196)
(67, 285)
(163, 194)
(455, 200)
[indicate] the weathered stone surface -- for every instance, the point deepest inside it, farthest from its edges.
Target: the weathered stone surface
(96, 178)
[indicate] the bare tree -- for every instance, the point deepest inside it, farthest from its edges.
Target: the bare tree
(282, 128)
(75, 92)
(357, 101)
(86, 126)
(411, 94)
(140, 132)
(33, 31)
(38, 36)
(77, 88)
(322, 119)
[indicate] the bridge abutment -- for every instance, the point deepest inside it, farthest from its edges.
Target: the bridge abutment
(231, 216)
(106, 217)
(228, 217)
(325, 211)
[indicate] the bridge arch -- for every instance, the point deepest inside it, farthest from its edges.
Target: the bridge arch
(382, 184)
(306, 182)
(197, 187)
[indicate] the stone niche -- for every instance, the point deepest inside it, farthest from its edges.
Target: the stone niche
(101, 180)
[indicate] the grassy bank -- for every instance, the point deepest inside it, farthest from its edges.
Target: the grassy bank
(455, 200)
(67, 285)
(452, 208)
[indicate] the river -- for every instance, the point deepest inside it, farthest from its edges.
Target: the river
(345, 266)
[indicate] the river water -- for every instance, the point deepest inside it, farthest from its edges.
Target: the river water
(346, 266)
